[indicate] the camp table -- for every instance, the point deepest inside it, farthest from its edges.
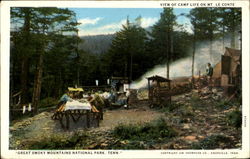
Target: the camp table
(75, 110)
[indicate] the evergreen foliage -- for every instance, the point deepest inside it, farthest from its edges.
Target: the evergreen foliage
(47, 56)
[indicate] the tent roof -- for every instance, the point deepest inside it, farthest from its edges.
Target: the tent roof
(158, 78)
(75, 89)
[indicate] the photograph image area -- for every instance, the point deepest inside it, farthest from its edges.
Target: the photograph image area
(125, 78)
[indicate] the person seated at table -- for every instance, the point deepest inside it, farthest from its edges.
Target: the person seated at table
(92, 100)
(63, 100)
(65, 97)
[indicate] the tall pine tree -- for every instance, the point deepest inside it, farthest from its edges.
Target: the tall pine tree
(162, 35)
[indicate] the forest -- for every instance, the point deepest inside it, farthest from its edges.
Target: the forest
(47, 55)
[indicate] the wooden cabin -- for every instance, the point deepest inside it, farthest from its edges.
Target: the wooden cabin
(230, 67)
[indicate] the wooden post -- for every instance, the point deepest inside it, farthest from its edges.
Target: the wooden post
(169, 85)
(88, 121)
(158, 92)
(101, 112)
(61, 121)
(170, 90)
(148, 85)
(98, 119)
(67, 119)
(149, 96)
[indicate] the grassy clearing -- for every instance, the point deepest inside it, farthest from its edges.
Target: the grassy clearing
(170, 107)
(60, 142)
(142, 136)
(213, 142)
(224, 104)
(234, 118)
(196, 102)
(122, 137)
(154, 130)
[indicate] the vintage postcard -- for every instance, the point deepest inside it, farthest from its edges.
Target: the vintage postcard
(125, 79)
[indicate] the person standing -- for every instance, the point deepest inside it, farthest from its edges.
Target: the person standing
(209, 72)
(127, 94)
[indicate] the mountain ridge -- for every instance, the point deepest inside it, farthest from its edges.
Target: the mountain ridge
(96, 44)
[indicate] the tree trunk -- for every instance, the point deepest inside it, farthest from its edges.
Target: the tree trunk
(171, 49)
(211, 32)
(210, 49)
(38, 82)
(167, 65)
(233, 39)
(169, 53)
(78, 75)
(223, 32)
(58, 88)
(193, 57)
(125, 69)
(223, 39)
(131, 67)
(24, 80)
(78, 60)
(25, 54)
(233, 31)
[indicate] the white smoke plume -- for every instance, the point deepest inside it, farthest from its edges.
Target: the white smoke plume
(183, 67)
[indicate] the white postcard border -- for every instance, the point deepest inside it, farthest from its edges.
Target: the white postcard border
(5, 45)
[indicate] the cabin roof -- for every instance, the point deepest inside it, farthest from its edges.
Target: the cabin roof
(119, 78)
(232, 52)
(158, 78)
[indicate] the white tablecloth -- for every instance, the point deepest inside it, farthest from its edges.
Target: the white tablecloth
(74, 105)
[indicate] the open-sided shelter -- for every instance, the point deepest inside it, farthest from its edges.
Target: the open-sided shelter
(158, 88)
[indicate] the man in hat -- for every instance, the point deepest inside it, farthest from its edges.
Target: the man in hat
(209, 72)
(60, 106)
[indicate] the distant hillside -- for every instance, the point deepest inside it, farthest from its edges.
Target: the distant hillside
(97, 43)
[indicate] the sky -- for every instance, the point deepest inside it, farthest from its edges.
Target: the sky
(96, 21)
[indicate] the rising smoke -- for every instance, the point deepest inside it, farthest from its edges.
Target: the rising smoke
(183, 67)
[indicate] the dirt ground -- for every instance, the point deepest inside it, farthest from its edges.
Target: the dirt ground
(197, 120)
(42, 126)
(130, 116)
